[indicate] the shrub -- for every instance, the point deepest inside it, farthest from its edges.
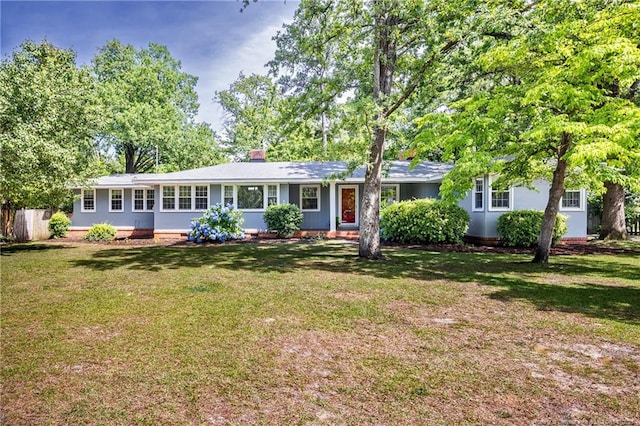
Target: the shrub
(521, 228)
(285, 219)
(424, 221)
(219, 223)
(59, 225)
(101, 232)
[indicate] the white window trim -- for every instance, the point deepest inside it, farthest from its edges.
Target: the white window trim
(95, 201)
(396, 185)
(357, 205)
(490, 198)
(265, 195)
(111, 209)
(193, 198)
(583, 195)
(234, 193)
(318, 188)
(474, 194)
(176, 198)
(144, 199)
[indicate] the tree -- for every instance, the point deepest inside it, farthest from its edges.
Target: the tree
(551, 106)
(373, 55)
(47, 120)
(251, 107)
(146, 100)
(196, 147)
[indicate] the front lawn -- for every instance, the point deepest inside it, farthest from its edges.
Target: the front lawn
(309, 333)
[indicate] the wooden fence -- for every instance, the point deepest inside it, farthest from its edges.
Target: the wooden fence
(32, 224)
(593, 225)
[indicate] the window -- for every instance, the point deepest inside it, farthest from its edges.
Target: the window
(116, 202)
(228, 195)
(202, 197)
(389, 194)
(143, 200)
(571, 200)
(168, 197)
(251, 197)
(184, 197)
(310, 197)
(151, 196)
(272, 195)
(478, 194)
(500, 199)
(88, 200)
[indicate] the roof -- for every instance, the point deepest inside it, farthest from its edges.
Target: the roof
(125, 180)
(296, 172)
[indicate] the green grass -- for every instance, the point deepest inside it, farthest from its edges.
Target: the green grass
(309, 333)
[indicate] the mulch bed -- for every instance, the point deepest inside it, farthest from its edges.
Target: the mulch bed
(562, 249)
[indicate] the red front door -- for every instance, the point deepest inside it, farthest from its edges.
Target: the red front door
(348, 206)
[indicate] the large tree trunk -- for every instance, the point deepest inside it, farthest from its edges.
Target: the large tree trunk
(130, 159)
(553, 203)
(8, 217)
(385, 58)
(369, 246)
(613, 220)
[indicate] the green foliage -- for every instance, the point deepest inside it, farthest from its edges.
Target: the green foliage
(521, 228)
(359, 63)
(285, 219)
(47, 118)
(195, 146)
(101, 232)
(59, 225)
(529, 92)
(146, 102)
(219, 223)
(251, 110)
(424, 221)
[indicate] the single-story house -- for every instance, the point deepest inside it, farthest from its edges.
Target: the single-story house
(164, 204)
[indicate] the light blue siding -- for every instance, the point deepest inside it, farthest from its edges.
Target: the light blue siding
(484, 223)
(284, 193)
(172, 220)
(126, 218)
(312, 220)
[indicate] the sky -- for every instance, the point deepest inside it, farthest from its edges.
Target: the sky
(212, 39)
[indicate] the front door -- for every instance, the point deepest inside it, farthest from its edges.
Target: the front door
(348, 205)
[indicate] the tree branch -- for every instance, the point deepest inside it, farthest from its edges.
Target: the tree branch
(633, 90)
(498, 34)
(418, 77)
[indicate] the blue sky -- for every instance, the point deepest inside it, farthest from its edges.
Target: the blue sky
(212, 39)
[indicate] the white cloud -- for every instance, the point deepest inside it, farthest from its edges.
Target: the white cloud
(219, 72)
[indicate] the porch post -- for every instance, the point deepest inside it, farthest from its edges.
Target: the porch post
(332, 207)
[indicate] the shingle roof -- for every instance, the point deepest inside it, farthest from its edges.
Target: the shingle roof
(125, 180)
(396, 171)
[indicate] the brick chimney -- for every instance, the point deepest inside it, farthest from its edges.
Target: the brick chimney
(257, 156)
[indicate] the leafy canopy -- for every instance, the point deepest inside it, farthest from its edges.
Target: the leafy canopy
(47, 119)
(147, 101)
(566, 68)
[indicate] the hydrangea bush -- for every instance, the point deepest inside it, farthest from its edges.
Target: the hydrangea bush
(219, 223)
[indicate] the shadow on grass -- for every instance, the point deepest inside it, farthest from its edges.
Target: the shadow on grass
(514, 277)
(9, 249)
